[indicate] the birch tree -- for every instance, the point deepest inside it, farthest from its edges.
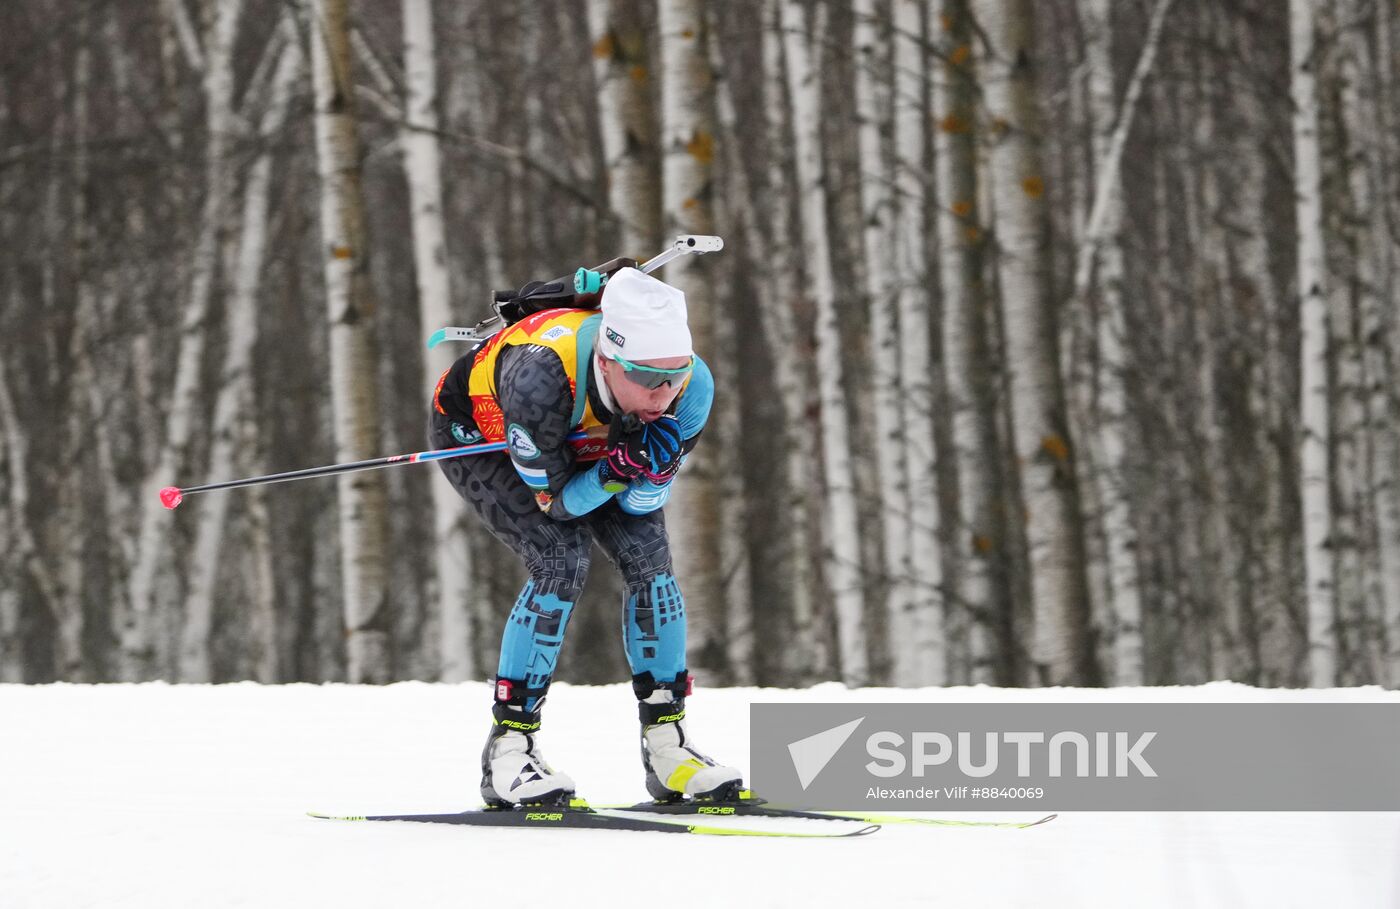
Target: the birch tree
(1100, 261)
(787, 557)
(842, 557)
(808, 658)
(353, 378)
(1060, 647)
(141, 656)
(688, 149)
(873, 112)
(1379, 337)
(621, 72)
(1314, 459)
(68, 607)
(423, 170)
(927, 664)
(978, 537)
(234, 399)
(1349, 259)
(1376, 581)
(748, 575)
(22, 556)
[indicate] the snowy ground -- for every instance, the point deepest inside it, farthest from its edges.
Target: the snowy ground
(182, 796)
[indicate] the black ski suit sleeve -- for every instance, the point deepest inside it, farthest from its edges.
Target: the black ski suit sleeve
(538, 403)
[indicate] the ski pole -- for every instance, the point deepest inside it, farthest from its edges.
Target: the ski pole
(171, 496)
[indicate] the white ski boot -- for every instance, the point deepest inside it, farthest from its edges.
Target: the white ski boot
(675, 768)
(513, 771)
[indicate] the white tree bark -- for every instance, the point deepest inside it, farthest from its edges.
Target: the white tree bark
(842, 529)
(735, 205)
(14, 521)
(1102, 247)
(22, 555)
(805, 660)
(423, 169)
(1353, 265)
(265, 624)
(1272, 581)
(1314, 459)
(917, 368)
(626, 122)
(235, 389)
(141, 656)
(178, 17)
(1110, 536)
(1381, 341)
(873, 112)
(695, 522)
(354, 364)
(68, 607)
(966, 347)
(1372, 250)
(1060, 647)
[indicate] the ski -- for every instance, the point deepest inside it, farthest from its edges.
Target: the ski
(749, 805)
(579, 816)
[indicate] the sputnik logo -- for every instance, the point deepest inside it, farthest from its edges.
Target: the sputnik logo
(811, 755)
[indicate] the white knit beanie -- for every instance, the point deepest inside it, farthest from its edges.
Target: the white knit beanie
(643, 318)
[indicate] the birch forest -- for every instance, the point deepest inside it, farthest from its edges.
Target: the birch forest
(1054, 340)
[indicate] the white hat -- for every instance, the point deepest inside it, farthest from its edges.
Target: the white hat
(643, 318)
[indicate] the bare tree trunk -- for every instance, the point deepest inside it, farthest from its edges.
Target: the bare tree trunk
(1346, 261)
(627, 123)
(423, 170)
(803, 661)
(268, 666)
(843, 532)
(1380, 350)
(1373, 576)
(929, 665)
(468, 111)
(22, 556)
(748, 570)
(695, 522)
(354, 363)
(235, 388)
(1272, 405)
(1102, 245)
(68, 607)
(966, 349)
(142, 654)
(1315, 461)
(1061, 647)
(873, 96)
(177, 15)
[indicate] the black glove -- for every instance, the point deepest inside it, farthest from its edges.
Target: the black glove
(661, 439)
(627, 457)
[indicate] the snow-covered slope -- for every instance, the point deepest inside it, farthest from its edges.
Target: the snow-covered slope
(193, 796)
